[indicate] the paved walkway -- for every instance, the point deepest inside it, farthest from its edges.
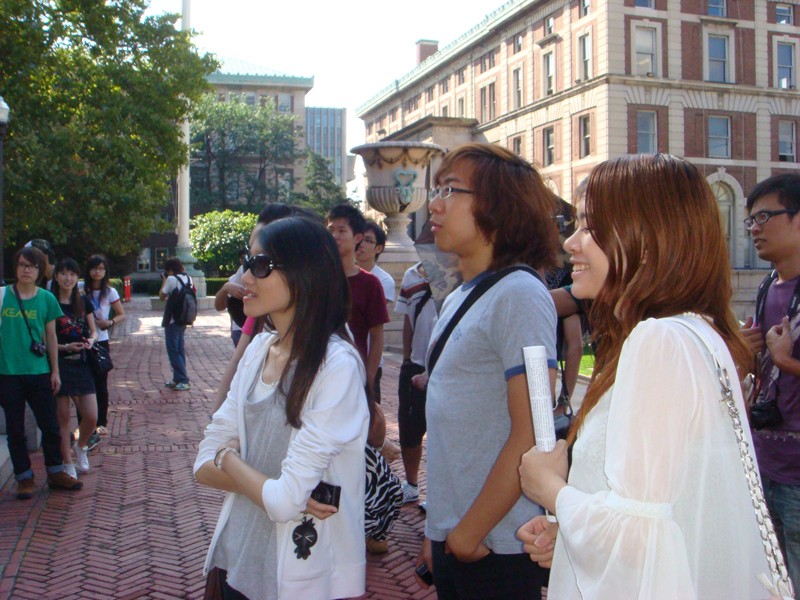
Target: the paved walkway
(141, 525)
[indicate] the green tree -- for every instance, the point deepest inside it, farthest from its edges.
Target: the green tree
(96, 89)
(217, 238)
(238, 152)
(322, 190)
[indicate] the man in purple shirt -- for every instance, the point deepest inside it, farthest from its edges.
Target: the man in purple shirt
(775, 228)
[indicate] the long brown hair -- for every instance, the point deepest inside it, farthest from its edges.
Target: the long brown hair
(657, 221)
(513, 208)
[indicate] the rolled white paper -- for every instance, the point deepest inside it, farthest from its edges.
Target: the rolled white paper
(541, 398)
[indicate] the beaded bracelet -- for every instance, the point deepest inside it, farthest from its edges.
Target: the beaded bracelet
(221, 453)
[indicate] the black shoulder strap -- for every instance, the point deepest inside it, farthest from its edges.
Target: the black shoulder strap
(478, 291)
(421, 304)
(761, 298)
(22, 310)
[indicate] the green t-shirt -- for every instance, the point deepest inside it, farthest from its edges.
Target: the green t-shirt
(16, 357)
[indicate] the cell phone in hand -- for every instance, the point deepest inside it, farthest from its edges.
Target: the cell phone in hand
(425, 574)
(327, 493)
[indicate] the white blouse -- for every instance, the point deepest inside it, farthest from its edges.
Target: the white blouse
(657, 505)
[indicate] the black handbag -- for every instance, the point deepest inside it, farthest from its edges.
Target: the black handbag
(99, 360)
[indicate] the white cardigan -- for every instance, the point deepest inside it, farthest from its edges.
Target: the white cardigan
(329, 446)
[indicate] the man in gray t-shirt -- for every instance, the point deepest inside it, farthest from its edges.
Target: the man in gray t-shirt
(493, 210)
(467, 406)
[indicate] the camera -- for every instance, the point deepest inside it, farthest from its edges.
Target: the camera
(326, 493)
(38, 349)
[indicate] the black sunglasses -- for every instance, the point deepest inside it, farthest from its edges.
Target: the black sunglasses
(259, 265)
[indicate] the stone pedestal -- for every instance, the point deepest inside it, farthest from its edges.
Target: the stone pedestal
(397, 185)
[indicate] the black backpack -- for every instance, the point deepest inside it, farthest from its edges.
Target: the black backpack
(182, 303)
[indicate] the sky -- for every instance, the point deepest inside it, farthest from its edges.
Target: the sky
(353, 48)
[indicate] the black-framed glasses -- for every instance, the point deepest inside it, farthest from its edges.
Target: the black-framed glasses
(762, 216)
(259, 265)
(445, 192)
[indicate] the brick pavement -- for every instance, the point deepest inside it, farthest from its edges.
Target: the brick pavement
(141, 525)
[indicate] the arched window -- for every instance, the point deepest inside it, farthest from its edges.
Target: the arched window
(725, 200)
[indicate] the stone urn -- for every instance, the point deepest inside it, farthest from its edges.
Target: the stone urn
(396, 184)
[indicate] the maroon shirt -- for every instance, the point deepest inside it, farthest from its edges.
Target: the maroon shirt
(368, 307)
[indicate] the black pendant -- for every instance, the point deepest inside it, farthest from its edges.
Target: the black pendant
(304, 536)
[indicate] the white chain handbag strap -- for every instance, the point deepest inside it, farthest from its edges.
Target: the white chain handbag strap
(780, 585)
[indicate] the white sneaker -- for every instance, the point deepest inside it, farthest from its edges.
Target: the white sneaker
(81, 457)
(69, 469)
(410, 492)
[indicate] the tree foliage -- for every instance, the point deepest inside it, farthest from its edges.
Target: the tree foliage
(323, 192)
(96, 89)
(238, 152)
(217, 238)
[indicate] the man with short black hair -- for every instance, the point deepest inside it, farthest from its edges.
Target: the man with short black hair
(368, 313)
(175, 279)
(775, 229)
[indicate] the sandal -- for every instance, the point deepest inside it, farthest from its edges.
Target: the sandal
(101, 430)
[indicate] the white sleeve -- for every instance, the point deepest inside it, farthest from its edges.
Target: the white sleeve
(401, 306)
(336, 416)
(169, 284)
(388, 287)
(625, 543)
(237, 277)
(113, 295)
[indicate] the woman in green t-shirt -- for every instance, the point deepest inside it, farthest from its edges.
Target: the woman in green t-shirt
(29, 372)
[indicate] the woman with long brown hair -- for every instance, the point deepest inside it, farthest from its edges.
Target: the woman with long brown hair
(657, 504)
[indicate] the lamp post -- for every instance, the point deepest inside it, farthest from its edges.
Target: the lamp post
(3, 122)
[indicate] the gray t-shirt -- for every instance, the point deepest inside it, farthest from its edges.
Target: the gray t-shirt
(467, 402)
(248, 546)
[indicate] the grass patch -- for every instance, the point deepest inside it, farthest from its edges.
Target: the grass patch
(587, 365)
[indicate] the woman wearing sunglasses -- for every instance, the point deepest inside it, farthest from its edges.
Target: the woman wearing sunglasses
(296, 415)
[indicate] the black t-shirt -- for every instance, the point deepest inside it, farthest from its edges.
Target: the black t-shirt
(70, 328)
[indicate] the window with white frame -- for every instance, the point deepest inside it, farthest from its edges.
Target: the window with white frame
(718, 58)
(516, 87)
(725, 202)
(285, 103)
(549, 25)
(517, 43)
(585, 128)
(462, 75)
(719, 137)
(585, 7)
(585, 44)
(645, 3)
(549, 73)
(492, 103)
(143, 263)
(549, 141)
(445, 110)
(784, 15)
(645, 51)
(785, 53)
(787, 137)
(516, 145)
(161, 258)
(484, 105)
(646, 132)
(461, 106)
(717, 8)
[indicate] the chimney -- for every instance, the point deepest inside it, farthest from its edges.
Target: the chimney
(425, 48)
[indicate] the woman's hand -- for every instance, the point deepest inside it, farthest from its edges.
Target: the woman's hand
(420, 381)
(319, 510)
(390, 451)
(544, 474)
(89, 343)
(74, 346)
(539, 540)
(425, 556)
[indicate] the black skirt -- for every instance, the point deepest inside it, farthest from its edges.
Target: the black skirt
(76, 377)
